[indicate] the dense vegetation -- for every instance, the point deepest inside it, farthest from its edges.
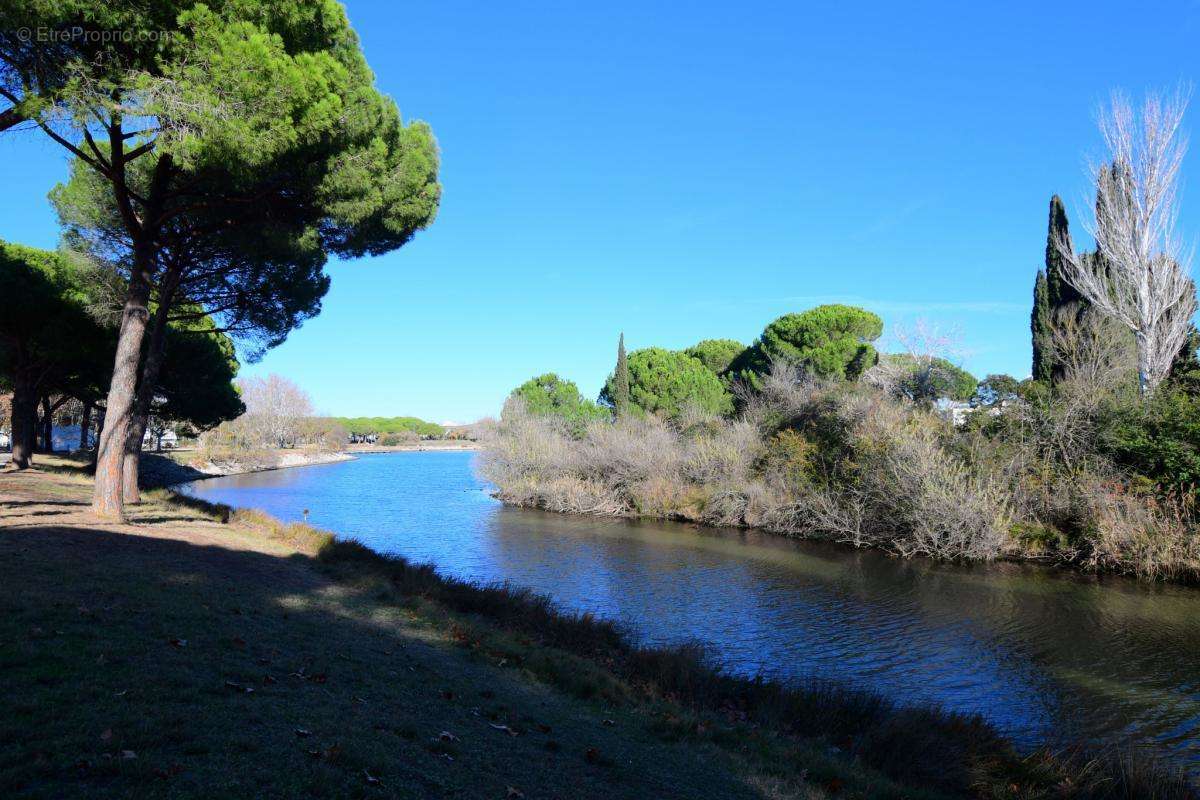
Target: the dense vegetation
(810, 431)
(58, 344)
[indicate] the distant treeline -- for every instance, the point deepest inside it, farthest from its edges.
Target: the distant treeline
(362, 426)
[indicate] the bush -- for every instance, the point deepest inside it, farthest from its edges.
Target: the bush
(1159, 439)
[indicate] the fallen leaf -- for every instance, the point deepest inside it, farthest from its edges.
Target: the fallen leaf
(239, 641)
(302, 732)
(447, 736)
(608, 722)
(179, 642)
(543, 727)
(513, 793)
(128, 755)
(107, 735)
(122, 693)
(371, 779)
(834, 786)
(267, 679)
(504, 728)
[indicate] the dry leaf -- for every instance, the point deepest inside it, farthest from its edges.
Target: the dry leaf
(513, 793)
(447, 736)
(302, 732)
(128, 755)
(504, 728)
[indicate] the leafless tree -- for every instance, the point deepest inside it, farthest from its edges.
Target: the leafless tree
(275, 407)
(920, 373)
(1140, 274)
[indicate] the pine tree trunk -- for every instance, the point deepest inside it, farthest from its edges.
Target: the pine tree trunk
(85, 422)
(145, 391)
(108, 500)
(24, 421)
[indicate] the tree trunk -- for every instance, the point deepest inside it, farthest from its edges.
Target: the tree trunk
(145, 391)
(85, 422)
(47, 425)
(24, 421)
(1143, 363)
(118, 417)
(108, 499)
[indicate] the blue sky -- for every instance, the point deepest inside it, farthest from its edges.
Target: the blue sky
(693, 170)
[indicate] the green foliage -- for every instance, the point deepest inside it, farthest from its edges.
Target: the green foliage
(620, 397)
(361, 426)
(270, 149)
(1040, 327)
(664, 382)
(549, 395)
(926, 380)
(195, 384)
(1159, 438)
(997, 388)
(830, 341)
(716, 354)
(46, 331)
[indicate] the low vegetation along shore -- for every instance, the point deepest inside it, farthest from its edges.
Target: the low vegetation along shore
(199, 651)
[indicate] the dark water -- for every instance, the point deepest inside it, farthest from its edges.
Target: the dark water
(1047, 656)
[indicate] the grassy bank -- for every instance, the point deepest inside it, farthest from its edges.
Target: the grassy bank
(201, 651)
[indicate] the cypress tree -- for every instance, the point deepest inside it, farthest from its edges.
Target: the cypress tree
(1052, 295)
(1040, 325)
(1060, 292)
(621, 380)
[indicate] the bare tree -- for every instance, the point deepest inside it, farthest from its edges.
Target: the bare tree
(924, 370)
(1139, 274)
(275, 407)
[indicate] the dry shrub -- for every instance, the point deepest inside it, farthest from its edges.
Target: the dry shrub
(805, 459)
(1146, 536)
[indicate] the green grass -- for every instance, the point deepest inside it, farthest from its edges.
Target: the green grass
(126, 664)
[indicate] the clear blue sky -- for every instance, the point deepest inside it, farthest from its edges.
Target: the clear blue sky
(693, 170)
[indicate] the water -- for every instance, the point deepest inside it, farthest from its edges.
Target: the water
(1048, 656)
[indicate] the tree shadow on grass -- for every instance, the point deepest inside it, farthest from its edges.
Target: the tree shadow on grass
(140, 666)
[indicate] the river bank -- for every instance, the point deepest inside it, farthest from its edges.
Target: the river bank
(545, 703)
(430, 445)
(158, 470)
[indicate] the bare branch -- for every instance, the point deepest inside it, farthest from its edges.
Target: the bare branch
(1139, 274)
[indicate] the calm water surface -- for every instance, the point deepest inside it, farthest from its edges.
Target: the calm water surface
(1045, 655)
